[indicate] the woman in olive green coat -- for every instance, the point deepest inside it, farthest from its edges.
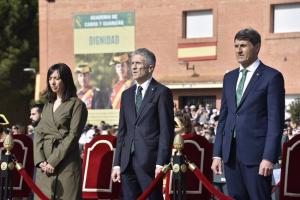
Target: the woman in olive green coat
(56, 150)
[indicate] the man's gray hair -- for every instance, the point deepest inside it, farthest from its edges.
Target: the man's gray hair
(147, 54)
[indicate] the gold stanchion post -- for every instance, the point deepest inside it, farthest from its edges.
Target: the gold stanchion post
(7, 165)
(179, 168)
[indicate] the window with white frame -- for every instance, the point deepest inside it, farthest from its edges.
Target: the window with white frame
(199, 24)
(286, 18)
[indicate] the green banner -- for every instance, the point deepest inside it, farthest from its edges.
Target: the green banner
(104, 20)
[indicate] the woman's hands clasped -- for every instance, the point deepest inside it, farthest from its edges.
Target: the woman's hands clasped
(46, 167)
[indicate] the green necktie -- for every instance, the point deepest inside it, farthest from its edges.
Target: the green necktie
(138, 98)
(240, 88)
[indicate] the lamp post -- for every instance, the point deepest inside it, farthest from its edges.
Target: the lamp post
(29, 69)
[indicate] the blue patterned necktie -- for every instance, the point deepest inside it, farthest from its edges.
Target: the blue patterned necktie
(240, 88)
(138, 98)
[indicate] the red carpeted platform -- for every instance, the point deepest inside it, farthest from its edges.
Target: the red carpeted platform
(96, 169)
(290, 170)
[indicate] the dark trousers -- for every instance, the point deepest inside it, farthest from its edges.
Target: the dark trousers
(243, 181)
(135, 180)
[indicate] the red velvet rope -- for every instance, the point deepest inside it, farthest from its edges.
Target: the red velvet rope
(151, 187)
(32, 185)
(209, 186)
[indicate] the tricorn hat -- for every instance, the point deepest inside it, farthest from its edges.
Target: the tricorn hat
(3, 120)
(119, 58)
(83, 68)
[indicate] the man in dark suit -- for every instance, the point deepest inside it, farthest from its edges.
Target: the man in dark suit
(146, 130)
(250, 123)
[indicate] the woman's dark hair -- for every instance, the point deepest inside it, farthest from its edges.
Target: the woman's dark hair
(67, 79)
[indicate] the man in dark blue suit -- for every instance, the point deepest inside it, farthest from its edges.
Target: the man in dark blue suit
(251, 122)
(146, 130)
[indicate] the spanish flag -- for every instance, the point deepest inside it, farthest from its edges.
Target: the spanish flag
(197, 51)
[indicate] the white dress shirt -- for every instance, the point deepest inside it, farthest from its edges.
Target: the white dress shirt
(251, 69)
(144, 85)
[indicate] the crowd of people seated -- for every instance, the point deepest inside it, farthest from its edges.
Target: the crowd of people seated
(198, 120)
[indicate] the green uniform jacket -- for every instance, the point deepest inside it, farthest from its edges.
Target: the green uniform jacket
(56, 141)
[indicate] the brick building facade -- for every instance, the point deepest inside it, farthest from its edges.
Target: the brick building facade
(161, 25)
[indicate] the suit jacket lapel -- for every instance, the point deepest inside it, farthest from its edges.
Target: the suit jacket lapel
(257, 74)
(131, 100)
(148, 96)
(232, 87)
